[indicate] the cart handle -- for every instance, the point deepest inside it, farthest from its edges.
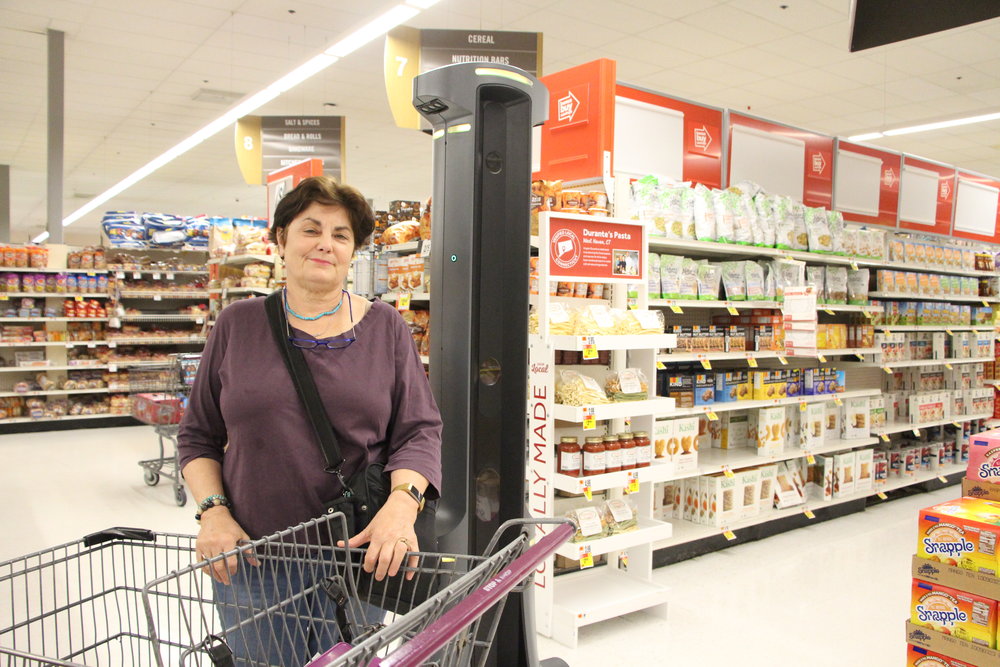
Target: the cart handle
(435, 636)
(119, 533)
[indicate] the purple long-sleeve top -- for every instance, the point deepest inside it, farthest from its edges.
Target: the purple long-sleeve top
(245, 413)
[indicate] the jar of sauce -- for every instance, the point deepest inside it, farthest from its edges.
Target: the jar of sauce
(594, 457)
(612, 454)
(628, 451)
(643, 449)
(570, 459)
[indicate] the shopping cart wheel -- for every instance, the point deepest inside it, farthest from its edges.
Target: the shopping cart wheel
(553, 662)
(180, 496)
(151, 478)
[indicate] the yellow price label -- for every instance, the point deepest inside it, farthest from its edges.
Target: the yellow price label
(809, 513)
(633, 482)
(677, 309)
(915, 432)
(590, 351)
(727, 472)
(4, 297)
(828, 311)
(882, 496)
(836, 400)
(949, 332)
(949, 366)
(589, 422)
(586, 558)
(623, 559)
(944, 480)
(822, 359)
(802, 406)
(860, 356)
(712, 416)
(885, 437)
(732, 310)
(986, 304)
(811, 460)
(403, 301)
(729, 535)
(660, 366)
(867, 313)
(587, 490)
(706, 364)
(784, 362)
(956, 425)
(854, 266)
(751, 362)
(78, 298)
(888, 371)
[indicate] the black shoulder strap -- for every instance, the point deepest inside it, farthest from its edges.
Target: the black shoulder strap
(305, 386)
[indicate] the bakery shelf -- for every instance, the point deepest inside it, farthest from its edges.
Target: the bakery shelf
(168, 274)
(597, 594)
(226, 291)
(622, 410)
(165, 317)
(54, 295)
(53, 319)
(415, 297)
(39, 369)
(174, 340)
(32, 420)
(402, 248)
(889, 328)
(683, 357)
(240, 260)
(60, 343)
(943, 297)
(158, 295)
(749, 405)
(146, 363)
(686, 531)
(86, 272)
(58, 392)
(902, 427)
(992, 381)
(649, 530)
(637, 342)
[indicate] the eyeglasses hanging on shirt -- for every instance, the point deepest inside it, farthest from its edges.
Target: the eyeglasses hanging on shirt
(335, 343)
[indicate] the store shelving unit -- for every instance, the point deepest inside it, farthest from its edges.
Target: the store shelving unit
(908, 427)
(956, 298)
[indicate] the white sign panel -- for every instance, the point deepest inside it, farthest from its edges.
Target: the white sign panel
(856, 183)
(775, 162)
(976, 208)
(649, 139)
(918, 190)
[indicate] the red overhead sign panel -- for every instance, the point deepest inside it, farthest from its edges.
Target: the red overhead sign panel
(816, 151)
(977, 208)
(885, 176)
(702, 134)
(927, 196)
(580, 129)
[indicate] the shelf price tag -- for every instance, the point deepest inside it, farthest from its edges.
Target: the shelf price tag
(915, 432)
(949, 332)
(589, 422)
(881, 495)
(837, 401)
(956, 425)
(170, 276)
(732, 310)
(425, 248)
(784, 362)
(633, 482)
(712, 416)
(589, 348)
(752, 362)
(948, 366)
(112, 368)
(822, 359)
(676, 309)
(156, 276)
(660, 366)
(137, 275)
(860, 356)
(986, 304)
(944, 480)
(828, 311)
(809, 513)
(867, 313)
(729, 535)
(112, 344)
(587, 490)
(885, 437)
(802, 406)
(120, 275)
(586, 557)
(888, 371)
(403, 301)
(811, 460)
(706, 364)
(78, 298)
(623, 559)
(854, 265)
(727, 472)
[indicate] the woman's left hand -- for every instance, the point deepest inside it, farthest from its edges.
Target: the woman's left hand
(389, 537)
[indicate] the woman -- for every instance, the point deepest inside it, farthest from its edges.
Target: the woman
(246, 446)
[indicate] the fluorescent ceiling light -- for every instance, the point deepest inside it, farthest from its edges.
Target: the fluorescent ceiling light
(943, 124)
(366, 33)
(866, 137)
(41, 238)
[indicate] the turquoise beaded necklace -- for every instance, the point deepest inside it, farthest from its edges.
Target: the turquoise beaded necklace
(284, 293)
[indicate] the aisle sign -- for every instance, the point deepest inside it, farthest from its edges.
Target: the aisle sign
(265, 144)
(410, 51)
(595, 249)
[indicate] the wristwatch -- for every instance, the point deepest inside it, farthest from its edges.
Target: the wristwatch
(413, 492)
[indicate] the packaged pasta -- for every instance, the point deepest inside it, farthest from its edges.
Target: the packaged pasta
(627, 385)
(755, 281)
(746, 231)
(561, 320)
(836, 284)
(734, 281)
(850, 241)
(787, 273)
(857, 287)
(675, 215)
(766, 221)
(590, 524)
(578, 389)
(876, 244)
(816, 276)
(689, 279)
(646, 204)
(670, 276)
(835, 222)
(595, 320)
(861, 243)
(800, 238)
(770, 290)
(653, 277)
(619, 516)
(709, 276)
(784, 224)
(724, 218)
(705, 222)
(817, 230)
(638, 322)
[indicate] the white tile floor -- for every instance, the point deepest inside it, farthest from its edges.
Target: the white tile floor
(832, 594)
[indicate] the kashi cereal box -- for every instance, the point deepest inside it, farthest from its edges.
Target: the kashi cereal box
(963, 615)
(917, 656)
(984, 457)
(961, 532)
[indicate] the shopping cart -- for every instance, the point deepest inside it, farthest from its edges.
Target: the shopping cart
(163, 411)
(129, 597)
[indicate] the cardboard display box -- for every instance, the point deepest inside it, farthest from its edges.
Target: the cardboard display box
(981, 490)
(951, 646)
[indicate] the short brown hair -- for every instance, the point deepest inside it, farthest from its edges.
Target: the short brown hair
(326, 191)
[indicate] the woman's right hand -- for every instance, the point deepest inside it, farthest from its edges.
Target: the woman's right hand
(220, 533)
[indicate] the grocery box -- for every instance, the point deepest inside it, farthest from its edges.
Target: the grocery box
(961, 532)
(981, 490)
(864, 473)
(812, 425)
(748, 495)
(844, 479)
(917, 656)
(686, 432)
(735, 430)
(819, 485)
(771, 431)
(961, 614)
(765, 499)
(786, 492)
(856, 423)
(721, 500)
(984, 457)
(832, 413)
(157, 408)
(987, 585)
(665, 443)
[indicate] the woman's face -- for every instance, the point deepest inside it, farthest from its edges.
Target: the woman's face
(318, 247)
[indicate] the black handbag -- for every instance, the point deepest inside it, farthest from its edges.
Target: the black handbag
(365, 492)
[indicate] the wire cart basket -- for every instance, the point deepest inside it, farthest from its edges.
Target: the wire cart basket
(129, 597)
(163, 411)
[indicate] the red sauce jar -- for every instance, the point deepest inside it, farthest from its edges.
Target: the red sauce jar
(570, 459)
(594, 457)
(628, 451)
(643, 449)
(612, 454)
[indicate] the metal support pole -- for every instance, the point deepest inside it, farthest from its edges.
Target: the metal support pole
(4, 203)
(56, 96)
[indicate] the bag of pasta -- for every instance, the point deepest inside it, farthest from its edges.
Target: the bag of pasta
(562, 320)
(766, 226)
(595, 320)
(620, 516)
(818, 230)
(590, 524)
(627, 385)
(745, 231)
(835, 221)
(705, 218)
(638, 322)
(578, 389)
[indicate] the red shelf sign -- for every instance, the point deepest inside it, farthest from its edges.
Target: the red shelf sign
(595, 248)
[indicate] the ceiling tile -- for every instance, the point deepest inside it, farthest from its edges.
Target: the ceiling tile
(798, 16)
(736, 24)
(674, 10)
(807, 50)
(691, 38)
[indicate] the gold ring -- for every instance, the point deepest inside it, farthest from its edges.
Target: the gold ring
(404, 541)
